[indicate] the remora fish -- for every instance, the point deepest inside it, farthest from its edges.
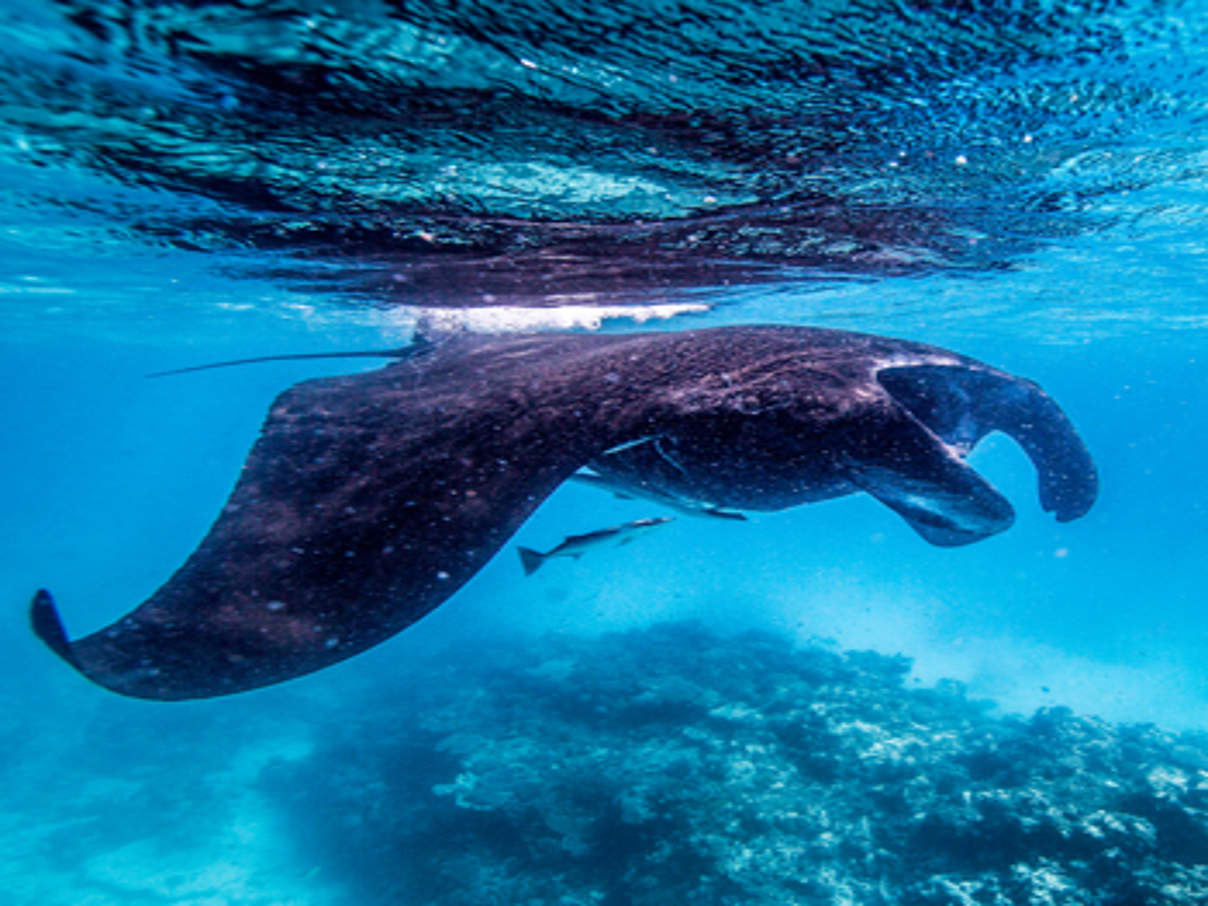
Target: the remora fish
(576, 545)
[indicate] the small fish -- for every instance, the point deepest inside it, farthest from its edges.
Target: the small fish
(576, 545)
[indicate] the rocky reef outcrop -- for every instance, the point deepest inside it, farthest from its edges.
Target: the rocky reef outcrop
(675, 765)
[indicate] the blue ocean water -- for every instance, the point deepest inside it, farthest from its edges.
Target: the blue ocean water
(1023, 182)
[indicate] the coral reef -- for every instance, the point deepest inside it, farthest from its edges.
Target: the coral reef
(674, 765)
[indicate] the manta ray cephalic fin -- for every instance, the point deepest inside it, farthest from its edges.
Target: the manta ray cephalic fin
(919, 477)
(963, 405)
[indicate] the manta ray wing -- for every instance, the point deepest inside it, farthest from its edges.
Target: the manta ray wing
(363, 505)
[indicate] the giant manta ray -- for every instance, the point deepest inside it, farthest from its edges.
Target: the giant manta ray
(370, 498)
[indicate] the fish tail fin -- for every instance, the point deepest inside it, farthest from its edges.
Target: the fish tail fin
(530, 559)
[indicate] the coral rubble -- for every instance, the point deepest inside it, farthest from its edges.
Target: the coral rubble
(674, 765)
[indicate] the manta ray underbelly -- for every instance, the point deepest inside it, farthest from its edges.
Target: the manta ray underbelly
(739, 469)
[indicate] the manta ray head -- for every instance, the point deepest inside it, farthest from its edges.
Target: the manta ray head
(961, 403)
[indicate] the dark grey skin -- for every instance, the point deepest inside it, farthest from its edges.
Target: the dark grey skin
(369, 499)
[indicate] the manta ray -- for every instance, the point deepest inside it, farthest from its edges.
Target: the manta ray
(370, 498)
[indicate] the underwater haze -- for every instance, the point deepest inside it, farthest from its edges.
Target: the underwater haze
(812, 706)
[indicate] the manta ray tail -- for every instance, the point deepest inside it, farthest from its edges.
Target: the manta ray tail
(404, 352)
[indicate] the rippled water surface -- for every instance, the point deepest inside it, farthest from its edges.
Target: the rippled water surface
(477, 154)
(1025, 182)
